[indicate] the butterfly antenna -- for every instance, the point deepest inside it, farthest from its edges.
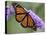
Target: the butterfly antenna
(15, 4)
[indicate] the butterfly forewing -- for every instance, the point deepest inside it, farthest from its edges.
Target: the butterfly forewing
(19, 10)
(20, 13)
(20, 17)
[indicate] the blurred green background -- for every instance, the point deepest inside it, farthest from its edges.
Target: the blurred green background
(14, 27)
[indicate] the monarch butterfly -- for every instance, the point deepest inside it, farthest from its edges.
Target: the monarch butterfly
(23, 17)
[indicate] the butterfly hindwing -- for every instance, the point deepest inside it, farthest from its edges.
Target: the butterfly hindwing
(31, 23)
(24, 22)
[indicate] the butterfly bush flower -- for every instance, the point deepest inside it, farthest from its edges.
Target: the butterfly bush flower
(39, 22)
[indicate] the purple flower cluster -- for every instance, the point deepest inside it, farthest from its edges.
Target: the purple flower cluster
(10, 11)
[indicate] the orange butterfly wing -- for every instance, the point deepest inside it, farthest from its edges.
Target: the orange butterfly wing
(31, 23)
(19, 10)
(24, 22)
(19, 18)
